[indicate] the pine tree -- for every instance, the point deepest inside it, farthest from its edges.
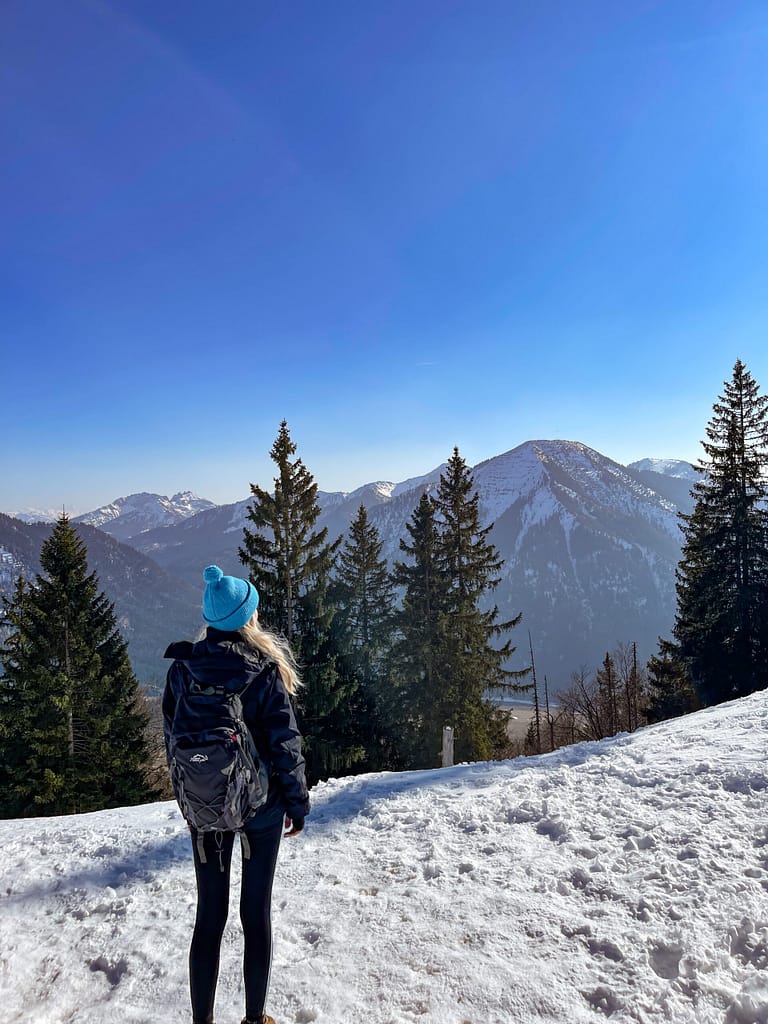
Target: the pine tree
(721, 625)
(15, 706)
(287, 557)
(418, 651)
(70, 715)
(290, 562)
(670, 691)
(364, 595)
(473, 659)
(449, 646)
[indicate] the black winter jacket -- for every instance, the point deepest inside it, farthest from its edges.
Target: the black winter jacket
(222, 659)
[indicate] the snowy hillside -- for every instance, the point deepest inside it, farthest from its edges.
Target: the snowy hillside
(625, 879)
(11, 567)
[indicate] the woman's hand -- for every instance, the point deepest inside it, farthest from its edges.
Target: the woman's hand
(294, 826)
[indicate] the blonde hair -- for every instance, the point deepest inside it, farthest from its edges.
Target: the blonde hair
(275, 647)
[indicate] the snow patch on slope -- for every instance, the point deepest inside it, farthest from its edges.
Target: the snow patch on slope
(11, 568)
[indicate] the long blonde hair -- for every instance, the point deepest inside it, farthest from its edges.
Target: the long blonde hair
(275, 647)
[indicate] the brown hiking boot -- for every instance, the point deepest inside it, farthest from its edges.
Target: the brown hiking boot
(263, 1019)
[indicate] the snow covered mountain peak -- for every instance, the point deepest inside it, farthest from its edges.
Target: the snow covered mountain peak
(188, 500)
(558, 476)
(126, 517)
(379, 490)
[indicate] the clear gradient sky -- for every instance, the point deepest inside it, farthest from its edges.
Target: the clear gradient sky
(399, 225)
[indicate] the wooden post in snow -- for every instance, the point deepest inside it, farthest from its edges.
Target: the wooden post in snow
(447, 746)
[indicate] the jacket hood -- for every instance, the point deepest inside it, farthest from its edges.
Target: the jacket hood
(219, 659)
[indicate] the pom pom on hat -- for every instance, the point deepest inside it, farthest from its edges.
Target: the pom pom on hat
(228, 601)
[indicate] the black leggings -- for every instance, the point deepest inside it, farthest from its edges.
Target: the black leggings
(212, 909)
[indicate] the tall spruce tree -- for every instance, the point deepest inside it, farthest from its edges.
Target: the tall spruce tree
(71, 724)
(720, 648)
(473, 659)
(289, 561)
(364, 594)
(418, 651)
(449, 655)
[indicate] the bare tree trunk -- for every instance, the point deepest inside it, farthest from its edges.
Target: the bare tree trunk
(537, 712)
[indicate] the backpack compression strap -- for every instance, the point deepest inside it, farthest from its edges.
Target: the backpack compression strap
(244, 844)
(199, 840)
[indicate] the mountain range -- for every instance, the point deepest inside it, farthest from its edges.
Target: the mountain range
(589, 547)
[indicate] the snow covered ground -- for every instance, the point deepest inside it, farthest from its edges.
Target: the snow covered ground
(626, 879)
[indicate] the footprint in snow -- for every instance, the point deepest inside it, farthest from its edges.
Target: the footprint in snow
(665, 959)
(644, 910)
(749, 943)
(554, 829)
(587, 852)
(606, 948)
(688, 853)
(604, 1000)
(640, 843)
(580, 878)
(112, 971)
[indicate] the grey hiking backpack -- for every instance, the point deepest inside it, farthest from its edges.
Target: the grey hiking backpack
(218, 778)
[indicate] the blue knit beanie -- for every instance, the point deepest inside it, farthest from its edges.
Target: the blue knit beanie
(228, 602)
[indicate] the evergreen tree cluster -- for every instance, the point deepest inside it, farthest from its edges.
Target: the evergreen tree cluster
(381, 681)
(719, 645)
(72, 728)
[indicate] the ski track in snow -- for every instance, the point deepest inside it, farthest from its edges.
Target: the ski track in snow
(623, 880)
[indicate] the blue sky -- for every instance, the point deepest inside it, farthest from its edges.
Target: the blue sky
(401, 226)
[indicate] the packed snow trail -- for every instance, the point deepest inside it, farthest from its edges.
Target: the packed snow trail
(626, 879)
